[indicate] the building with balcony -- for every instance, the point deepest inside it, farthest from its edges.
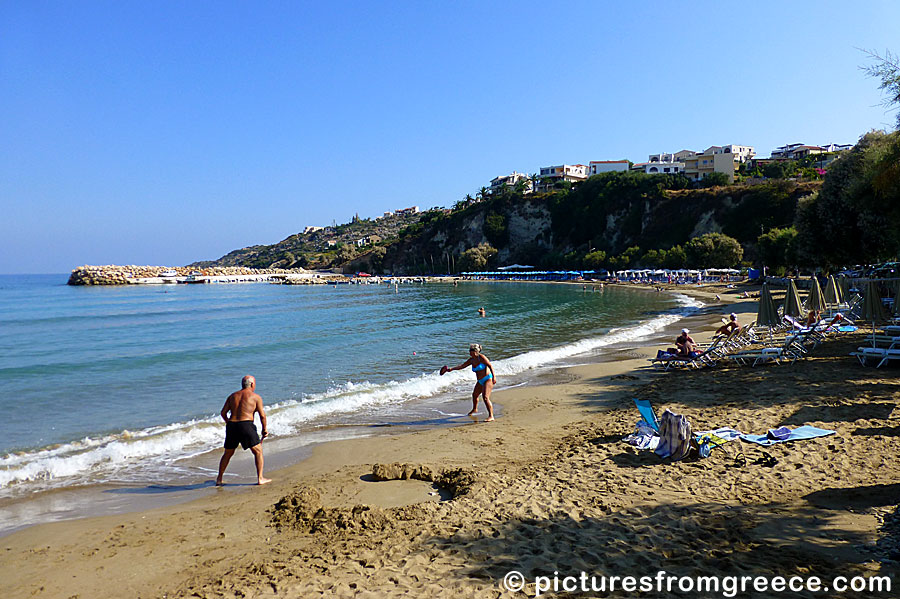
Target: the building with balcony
(549, 175)
(805, 151)
(511, 180)
(664, 164)
(742, 154)
(700, 166)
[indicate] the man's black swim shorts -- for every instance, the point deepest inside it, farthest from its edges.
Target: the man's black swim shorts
(243, 432)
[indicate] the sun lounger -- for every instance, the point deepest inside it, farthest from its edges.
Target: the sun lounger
(705, 358)
(879, 355)
(885, 341)
(793, 347)
(757, 356)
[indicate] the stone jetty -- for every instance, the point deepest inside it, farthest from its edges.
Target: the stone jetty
(131, 275)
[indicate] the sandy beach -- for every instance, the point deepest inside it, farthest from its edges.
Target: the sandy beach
(549, 487)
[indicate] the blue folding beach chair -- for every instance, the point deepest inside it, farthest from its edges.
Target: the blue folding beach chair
(704, 444)
(647, 413)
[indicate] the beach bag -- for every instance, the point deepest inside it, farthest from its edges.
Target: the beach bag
(674, 436)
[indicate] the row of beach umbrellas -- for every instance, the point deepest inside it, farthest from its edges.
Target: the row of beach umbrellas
(873, 310)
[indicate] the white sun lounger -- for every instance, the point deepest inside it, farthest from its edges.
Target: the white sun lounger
(876, 354)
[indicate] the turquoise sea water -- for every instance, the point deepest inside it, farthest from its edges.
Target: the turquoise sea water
(124, 384)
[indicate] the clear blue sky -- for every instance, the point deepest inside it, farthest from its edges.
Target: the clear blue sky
(168, 132)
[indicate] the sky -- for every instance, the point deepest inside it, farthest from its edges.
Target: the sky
(165, 133)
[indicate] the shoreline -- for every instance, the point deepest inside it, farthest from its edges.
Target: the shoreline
(543, 428)
(104, 498)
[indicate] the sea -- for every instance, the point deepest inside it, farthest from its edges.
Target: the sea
(111, 395)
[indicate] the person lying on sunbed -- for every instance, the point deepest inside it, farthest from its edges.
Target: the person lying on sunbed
(686, 345)
(731, 325)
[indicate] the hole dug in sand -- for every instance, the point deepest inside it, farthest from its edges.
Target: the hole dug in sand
(397, 496)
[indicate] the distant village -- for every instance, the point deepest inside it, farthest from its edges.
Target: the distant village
(696, 166)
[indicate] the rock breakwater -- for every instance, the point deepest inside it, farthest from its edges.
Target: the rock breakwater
(129, 275)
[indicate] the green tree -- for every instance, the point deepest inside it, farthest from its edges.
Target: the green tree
(714, 250)
(626, 259)
(776, 247)
(476, 258)
(595, 260)
(779, 170)
(521, 186)
(855, 217)
(714, 179)
(887, 69)
(496, 229)
(675, 258)
(654, 258)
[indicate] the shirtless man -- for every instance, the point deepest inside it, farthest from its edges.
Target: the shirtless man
(238, 412)
(685, 344)
(729, 326)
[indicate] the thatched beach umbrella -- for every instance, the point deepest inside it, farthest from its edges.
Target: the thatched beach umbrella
(844, 283)
(872, 309)
(833, 293)
(815, 300)
(792, 304)
(897, 299)
(767, 315)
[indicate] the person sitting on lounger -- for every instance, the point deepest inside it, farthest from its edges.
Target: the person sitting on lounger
(728, 327)
(812, 318)
(686, 345)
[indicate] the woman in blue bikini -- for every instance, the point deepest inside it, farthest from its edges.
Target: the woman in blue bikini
(484, 372)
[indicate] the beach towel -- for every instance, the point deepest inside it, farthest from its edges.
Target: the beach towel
(719, 436)
(643, 437)
(785, 434)
(674, 436)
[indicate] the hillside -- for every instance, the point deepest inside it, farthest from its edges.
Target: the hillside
(609, 213)
(323, 248)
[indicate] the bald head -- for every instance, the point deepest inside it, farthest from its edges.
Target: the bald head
(248, 382)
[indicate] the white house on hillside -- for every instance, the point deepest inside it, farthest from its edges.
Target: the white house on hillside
(573, 173)
(607, 166)
(671, 164)
(510, 180)
(786, 151)
(795, 151)
(741, 154)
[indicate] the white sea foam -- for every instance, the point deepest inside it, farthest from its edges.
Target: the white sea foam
(107, 458)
